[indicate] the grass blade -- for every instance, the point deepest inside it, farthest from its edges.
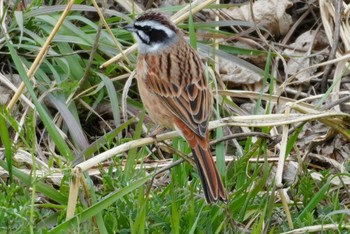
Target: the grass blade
(314, 201)
(100, 206)
(40, 186)
(50, 126)
(5, 139)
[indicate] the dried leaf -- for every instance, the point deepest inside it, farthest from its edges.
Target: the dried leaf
(300, 59)
(270, 13)
(232, 72)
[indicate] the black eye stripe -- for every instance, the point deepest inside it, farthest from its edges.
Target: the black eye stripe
(146, 28)
(155, 35)
(138, 27)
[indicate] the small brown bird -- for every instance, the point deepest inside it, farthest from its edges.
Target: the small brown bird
(173, 88)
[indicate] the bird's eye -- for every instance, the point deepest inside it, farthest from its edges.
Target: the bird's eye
(147, 28)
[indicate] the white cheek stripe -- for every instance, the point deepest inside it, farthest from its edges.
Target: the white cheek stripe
(144, 36)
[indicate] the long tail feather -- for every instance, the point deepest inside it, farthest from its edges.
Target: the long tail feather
(208, 172)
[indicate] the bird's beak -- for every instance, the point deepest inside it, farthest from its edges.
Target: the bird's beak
(129, 28)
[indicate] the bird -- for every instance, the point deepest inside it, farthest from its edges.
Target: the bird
(174, 90)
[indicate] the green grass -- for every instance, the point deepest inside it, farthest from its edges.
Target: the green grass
(78, 114)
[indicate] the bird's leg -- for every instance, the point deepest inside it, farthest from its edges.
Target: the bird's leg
(156, 131)
(154, 134)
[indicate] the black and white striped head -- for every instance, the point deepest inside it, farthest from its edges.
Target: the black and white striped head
(153, 31)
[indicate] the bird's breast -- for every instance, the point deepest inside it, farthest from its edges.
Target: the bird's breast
(152, 102)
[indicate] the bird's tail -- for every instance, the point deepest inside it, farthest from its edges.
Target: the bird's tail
(208, 172)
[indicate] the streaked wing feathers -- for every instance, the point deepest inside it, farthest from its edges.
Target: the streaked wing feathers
(182, 86)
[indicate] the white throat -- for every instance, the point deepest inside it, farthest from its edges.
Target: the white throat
(155, 47)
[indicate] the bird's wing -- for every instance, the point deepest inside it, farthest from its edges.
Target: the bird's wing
(179, 80)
